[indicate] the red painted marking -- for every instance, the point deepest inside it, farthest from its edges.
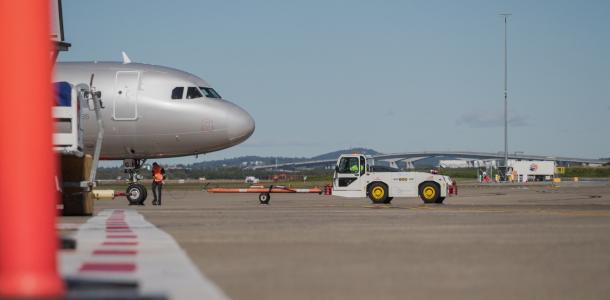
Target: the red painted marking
(114, 252)
(117, 227)
(120, 243)
(124, 236)
(118, 231)
(108, 267)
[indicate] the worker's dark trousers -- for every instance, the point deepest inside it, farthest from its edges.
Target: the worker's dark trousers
(157, 187)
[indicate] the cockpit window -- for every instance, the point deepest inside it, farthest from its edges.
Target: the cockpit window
(210, 92)
(177, 92)
(193, 92)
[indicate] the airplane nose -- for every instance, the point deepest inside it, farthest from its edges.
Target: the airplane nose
(240, 125)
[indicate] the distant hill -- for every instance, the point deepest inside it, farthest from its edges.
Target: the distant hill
(335, 154)
(245, 161)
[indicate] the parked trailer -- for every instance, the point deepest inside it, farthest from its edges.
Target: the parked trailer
(265, 192)
(531, 170)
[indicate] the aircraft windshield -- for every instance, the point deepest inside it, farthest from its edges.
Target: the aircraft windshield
(210, 92)
(193, 93)
(177, 92)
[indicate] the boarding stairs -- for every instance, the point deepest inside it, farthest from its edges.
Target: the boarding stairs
(78, 169)
(69, 132)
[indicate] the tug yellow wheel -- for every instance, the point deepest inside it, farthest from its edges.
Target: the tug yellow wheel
(429, 192)
(378, 192)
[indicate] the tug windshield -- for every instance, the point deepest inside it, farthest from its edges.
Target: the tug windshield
(348, 165)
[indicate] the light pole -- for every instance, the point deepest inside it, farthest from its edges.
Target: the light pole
(504, 175)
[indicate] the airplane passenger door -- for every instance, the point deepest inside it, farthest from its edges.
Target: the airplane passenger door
(126, 87)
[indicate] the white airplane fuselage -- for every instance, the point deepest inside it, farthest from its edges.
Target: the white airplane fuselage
(146, 114)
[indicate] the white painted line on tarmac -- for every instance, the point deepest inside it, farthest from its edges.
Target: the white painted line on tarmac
(67, 226)
(120, 245)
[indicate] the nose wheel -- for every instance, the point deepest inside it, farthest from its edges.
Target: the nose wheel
(136, 194)
(264, 198)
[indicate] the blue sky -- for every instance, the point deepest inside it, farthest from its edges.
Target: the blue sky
(395, 76)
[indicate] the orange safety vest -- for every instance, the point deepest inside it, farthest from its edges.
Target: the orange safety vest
(157, 176)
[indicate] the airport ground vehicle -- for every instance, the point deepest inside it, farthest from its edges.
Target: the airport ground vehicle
(357, 176)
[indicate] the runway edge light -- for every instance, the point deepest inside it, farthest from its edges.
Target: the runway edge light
(28, 263)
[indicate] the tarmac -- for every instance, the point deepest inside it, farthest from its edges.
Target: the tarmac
(491, 241)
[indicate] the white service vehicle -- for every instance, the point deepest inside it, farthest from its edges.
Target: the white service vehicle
(531, 170)
(357, 176)
(251, 179)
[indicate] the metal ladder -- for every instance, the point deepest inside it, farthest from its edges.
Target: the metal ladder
(71, 142)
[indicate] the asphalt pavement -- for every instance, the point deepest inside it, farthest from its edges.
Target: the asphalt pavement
(489, 242)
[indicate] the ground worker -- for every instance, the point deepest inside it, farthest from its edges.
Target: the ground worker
(158, 175)
(354, 168)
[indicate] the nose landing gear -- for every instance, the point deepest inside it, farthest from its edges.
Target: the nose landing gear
(136, 193)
